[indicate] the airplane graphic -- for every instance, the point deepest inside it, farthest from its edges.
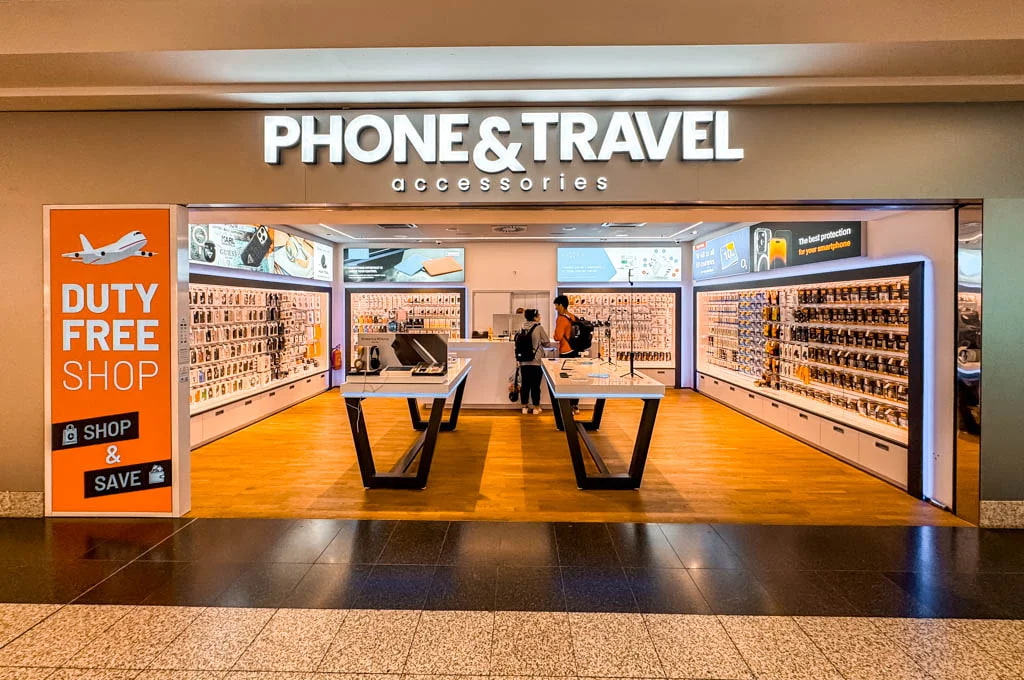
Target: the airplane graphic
(129, 245)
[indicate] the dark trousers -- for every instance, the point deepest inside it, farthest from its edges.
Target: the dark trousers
(530, 377)
(571, 355)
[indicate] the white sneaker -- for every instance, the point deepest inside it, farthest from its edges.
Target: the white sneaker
(525, 410)
(536, 410)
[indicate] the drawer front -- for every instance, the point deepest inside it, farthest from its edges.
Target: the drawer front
(804, 425)
(732, 395)
(776, 413)
(887, 460)
(195, 430)
(841, 440)
(666, 376)
(752, 404)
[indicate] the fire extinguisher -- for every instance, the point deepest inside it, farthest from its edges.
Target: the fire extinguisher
(336, 358)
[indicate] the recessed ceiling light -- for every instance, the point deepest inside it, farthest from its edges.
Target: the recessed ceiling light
(568, 228)
(451, 228)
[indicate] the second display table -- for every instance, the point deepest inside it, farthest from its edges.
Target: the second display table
(570, 379)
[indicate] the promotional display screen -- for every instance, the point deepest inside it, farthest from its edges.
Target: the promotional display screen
(606, 265)
(111, 358)
(727, 255)
(777, 245)
(769, 246)
(258, 248)
(404, 265)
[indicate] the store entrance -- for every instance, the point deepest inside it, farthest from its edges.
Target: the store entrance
(801, 389)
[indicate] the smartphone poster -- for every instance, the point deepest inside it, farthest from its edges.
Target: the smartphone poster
(778, 245)
(112, 276)
(323, 262)
(236, 246)
(404, 265)
(726, 255)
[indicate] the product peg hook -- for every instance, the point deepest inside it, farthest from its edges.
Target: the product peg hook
(112, 456)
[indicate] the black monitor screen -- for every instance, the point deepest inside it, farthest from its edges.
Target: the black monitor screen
(416, 348)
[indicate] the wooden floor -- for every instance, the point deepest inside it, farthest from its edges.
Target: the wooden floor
(707, 464)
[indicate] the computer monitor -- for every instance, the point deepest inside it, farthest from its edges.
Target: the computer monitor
(420, 348)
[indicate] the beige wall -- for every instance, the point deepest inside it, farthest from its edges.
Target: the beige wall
(809, 153)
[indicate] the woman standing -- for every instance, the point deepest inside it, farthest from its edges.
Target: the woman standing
(530, 371)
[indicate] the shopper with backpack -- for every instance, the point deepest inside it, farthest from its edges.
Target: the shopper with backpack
(529, 341)
(564, 334)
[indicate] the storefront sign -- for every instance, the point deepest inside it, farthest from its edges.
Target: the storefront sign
(259, 248)
(776, 245)
(507, 149)
(112, 359)
(606, 265)
(404, 265)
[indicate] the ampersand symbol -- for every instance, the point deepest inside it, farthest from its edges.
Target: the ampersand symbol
(505, 156)
(112, 456)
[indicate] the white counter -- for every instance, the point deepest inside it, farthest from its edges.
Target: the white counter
(494, 365)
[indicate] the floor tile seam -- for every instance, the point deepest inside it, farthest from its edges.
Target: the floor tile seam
(130, 562)
(37, 623)
(830, 588)
(78, 650)
(326, 546)
(254, 638)
(156, 657)
(654, 646)
(907, 657)
(334, 638)
(930, 612)
(412, 640)
(719, 619)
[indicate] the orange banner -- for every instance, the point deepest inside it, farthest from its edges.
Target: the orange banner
(111, 360)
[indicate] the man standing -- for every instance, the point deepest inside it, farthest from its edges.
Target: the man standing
(563, 331)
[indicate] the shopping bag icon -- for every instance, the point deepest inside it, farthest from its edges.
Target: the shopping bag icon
(70, 437)
(157, 475)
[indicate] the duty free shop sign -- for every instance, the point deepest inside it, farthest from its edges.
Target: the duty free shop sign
(516, 154)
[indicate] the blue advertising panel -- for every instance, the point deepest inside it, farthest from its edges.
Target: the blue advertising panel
(404, 265)
(726, 255)
(608, 265)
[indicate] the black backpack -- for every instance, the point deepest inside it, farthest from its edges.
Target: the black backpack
(581, 334)
(524, 344)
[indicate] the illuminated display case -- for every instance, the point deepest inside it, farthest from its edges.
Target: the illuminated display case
(654, 314)
(246, 340)
(405, 310)
(846, 347)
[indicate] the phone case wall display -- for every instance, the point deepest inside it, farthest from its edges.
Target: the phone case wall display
(845, 344)
(653, 317)
(244, 340)
(438, 312)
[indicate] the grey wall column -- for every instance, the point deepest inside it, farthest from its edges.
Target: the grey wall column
(1002, 443)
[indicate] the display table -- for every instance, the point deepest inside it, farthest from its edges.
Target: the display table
(569, 379)
(358, 388)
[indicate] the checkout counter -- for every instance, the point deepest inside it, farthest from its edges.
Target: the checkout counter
(494, 366)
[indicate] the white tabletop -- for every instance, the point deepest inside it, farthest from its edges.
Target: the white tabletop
(364, 386)
(591, 378)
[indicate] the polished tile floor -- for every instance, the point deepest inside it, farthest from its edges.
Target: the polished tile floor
(308, 598)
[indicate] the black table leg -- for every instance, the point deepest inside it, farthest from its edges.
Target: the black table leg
(446, 426)
(399, 477)
(554, 406)
(578, 439)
